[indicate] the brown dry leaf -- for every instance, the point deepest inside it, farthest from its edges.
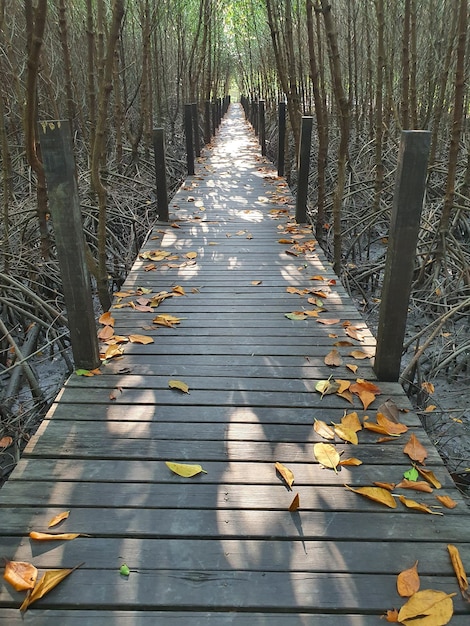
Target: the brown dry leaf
(352, 421)
(295, 290)
(376, 428)
(417, 506)
(286, 473)
(296, 315)
(317, 277)
(326, 455)
(167, 320)
(343, 385)
(391, 428)
(428, 387)
(458, 568)
(112, 351)
(328, 321)
(50, 580)
(342, 343)
(415, 450)
(115, 393)
(390, 410)
(333, 358)
(377, 494)
(346, 434)
(179, 290)
(347, 395)
(5, 442)
(256, 282)
(447, 501)
(149, 267)
(178, 384)
(191, 255)
(20, 575)
(107, 319)
(295, 504)
(351, 367)
(106, 333)
(408, 581)
(429, 476)
(430, 408)
(322, 429)
(366, 391)
(51, 537)
(285, 242)
(359, 354)
(391, 615)
(354, 333)
(351, 461)
(143, 339)
(388, 486)
(58, 518)
(427, 608)
(418, 485)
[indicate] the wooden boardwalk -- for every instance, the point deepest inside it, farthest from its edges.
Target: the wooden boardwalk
(222, 548)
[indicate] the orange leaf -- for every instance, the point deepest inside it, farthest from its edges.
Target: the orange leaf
(322, 428)
(333, 358)
(391, 428)
(58, 518)
(351, 461)
(375, 428)
(286, 473)
(112, 351)
(415, 450)
(343, 385)
(417, 506)
(353, 368)
(366, 397)
(5, 442)
(391, 615)
(143, 339)
(429, 476)
(354, 333)
(49, 581)
(377, 494)
(408, 581)
(20, 575)
(418, 485)
(447, 501)
(106, 319)
(106, 333)
(388, 486)
(179, 290)
(294, 505)
(458, 567)
(51, 537)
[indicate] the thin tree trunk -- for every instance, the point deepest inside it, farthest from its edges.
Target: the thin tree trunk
(379, 166)
(405, 93)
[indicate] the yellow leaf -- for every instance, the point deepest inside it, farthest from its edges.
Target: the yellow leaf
(408, 581)
(347, 434)
(327, 387)
(295, 504)
(191, 255)
(179, 290)
(352, 421)
(326, 455)
(351, 461)
(185, 470)
(20, 575)
(112, 351)
(107, 319)
(167, 320)
(387, 486)
(286, 473)
(458, 567)
(377, 494)
(295, 290)
(430, 408)
(322, 429)
(351, 367)
(51, 537)
(50, 580)
(447, 501)
(178, 384)
(417, 506)
(427, 608)
(415, 450)
(58, 518)
(429, 476)
(144, 339)
(333, 358)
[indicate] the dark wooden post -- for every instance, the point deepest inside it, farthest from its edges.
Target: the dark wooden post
(404, 226)
(188, 131)
(254, 116)
(195, 119)
(160, 173)
(304, 169)
(281, 139)
(207, 122)
(262, 127)
(64, 205)
(214, 117)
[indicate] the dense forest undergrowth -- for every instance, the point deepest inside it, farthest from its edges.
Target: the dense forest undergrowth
(365, 71)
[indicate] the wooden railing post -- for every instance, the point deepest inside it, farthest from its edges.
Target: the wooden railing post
(207, 122)
(195, 120)
(262, 127)
(304, 169)
(160, 173)
(404, 226)
(64, 205)
(188, 131)
(281, 139)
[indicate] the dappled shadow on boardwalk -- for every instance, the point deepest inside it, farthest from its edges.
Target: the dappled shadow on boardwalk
(221, 547)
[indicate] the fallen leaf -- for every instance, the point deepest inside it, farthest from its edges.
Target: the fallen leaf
(328, 321)
(447, 501)
(419, 485)
(376, 428)
(458, 568)
(343, 385)
(351, 461)
(49, 581)
(115, 393)
(387, 486)
(354, 333)
(430, 408)
(411, 474)
(327, 387)
(428, 387)
(346, 434)
(377, 494)
(417, 506)
(58, 518)
(352, 421)
(427, 608)
(143, 339)
(326, 455)
(408, 581)
(256, 282)
(124, 570)
(106, 333)
(333, 358)
(295, 504)
(390, 410)
(322, 429)
(359, 354)
(53, 537)
(429, 476)
(415, 450)
(107, 319)
(5, 442)
(391, 428)
(342, 344)
(191, 255)
(286, 473)
(185, 470)
(179, 290)
(112, 351)
(167, 320)
(391, 615)
(20, 575)
(296, 316)
(295, 290)
(353, 368)
(178, 384)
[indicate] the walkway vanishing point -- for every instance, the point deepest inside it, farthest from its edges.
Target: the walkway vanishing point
(222, 547)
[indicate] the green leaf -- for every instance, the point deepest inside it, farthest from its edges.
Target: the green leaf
(296, 316)
(82, 372)
(124, 571)
(182, 469)
(411, 474)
